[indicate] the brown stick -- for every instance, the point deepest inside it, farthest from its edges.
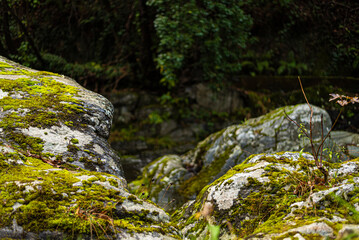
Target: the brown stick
(321, 147)
(310, 122)
(336, 120)
(286, 115)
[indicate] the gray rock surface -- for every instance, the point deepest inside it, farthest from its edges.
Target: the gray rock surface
(59, 178)
(74, 123)
(275, 196)
(348, 140)
(183, 177)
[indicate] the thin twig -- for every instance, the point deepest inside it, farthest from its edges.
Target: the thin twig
(336, 120)
(169, 185)
(321, 148)
(290, 119)
(167, 205)
(310, 121)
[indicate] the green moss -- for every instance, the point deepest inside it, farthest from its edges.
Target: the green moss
(279, 112)
(5, 65)
(101, 178)
(84, 159)
(73, 148)
(40, 102)
(10, 85)
(19, 71)
(196, 183)
(50, 200)
(92, 179)
(264, 208)
(290, 235)
(33, 144)
(34, 216)
(46, 208)
(69, 123)
(74, 141)
(132, 198)
(113, 182)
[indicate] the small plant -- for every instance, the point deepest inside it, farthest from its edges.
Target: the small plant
(98, 220)
(333, 153)
(317, 152)
(155, 118)
(206, 213)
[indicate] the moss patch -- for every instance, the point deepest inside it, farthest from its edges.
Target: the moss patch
(196, 183)
(265, 209)
(51, 199)
(36, 101)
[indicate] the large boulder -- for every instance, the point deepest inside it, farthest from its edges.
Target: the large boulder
(59, 179)
(276, 196)
(175, 179)
(39, 201)
(51, 116)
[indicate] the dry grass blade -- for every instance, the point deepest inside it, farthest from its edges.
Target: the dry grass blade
(93, 216)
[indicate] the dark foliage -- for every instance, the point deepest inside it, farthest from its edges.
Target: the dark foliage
(113, 44)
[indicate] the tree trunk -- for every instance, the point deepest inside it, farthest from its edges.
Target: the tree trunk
(146, 55)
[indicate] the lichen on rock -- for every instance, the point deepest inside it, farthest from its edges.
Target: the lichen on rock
(183, 177)
(59, 178)
(42, 113)
(273, 196)
(40, 201)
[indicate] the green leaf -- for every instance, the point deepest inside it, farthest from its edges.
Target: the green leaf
(301, 152)
(281, 69)
(214, 231)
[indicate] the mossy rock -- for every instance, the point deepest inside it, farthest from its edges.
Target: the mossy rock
(276, 196)
(38, 201)
(174, 179)
(51, 116)
(59, 178)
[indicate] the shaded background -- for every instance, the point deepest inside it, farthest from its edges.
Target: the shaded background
(177, 71)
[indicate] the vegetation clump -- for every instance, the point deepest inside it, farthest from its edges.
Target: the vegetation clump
(318, 151)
